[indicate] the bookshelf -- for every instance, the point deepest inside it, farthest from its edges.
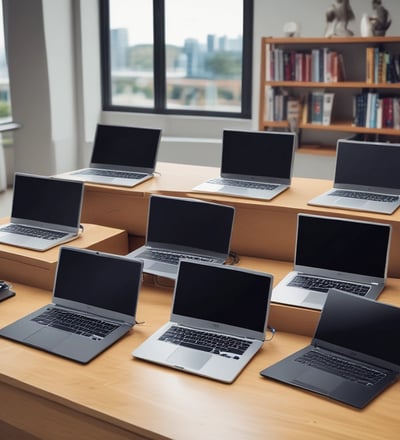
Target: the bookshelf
(356, 74)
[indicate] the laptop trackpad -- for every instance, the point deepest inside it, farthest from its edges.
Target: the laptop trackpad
(160, 267)
(188, 358)
(319, 381)
(47, 338)
(314, 299)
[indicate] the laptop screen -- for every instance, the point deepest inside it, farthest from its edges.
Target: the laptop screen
(368, 164)
(257, 153)
(47, 200)
(342, 245)
(126, 146)
(366, 326)
(190, 223)
(222, 294)
(99, 280)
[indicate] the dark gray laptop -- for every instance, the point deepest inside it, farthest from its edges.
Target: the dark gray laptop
(122, 156)
(366, 178)
(351, 357)
(254, 164)
(45, 212)
(94, 304)
(180, 227)
(339, 253)
(218, 321)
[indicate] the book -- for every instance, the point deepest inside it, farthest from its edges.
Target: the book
(317, 102)
(327, 106)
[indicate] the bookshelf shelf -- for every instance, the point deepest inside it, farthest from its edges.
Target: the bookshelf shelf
(360, 95)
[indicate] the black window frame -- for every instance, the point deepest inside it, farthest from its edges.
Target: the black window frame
(160, 64)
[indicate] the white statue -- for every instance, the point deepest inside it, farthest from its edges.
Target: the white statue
(365, 26)
(338, 18)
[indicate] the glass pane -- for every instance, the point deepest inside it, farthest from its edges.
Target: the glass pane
(131, 51)
(204, 54)
(5, 103)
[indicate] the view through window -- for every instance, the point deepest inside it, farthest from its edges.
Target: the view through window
(5, 104)
(184, 55)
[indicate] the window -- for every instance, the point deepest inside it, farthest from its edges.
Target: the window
(5, 103)
(177, 57)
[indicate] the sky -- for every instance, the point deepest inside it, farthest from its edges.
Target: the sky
(122, 15)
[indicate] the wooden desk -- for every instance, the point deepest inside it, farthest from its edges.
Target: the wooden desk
(38, 268)
(261, 229)
(116, 397)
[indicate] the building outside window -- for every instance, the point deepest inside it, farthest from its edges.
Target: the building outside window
(180, 57)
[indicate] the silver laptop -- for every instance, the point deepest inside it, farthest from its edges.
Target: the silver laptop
(218, 321)
(181, 227)
(122, 156)
(45, 212)
(351, 358)
(94, 304)
(338, 253)
(254, 164)
(366, 178)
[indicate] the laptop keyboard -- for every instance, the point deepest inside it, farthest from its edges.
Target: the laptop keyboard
(243, 184)
(75, 323)
(342, 367)
(33, 232)
(223, 345)
(112, 173)
(323, 285)
(172, 257)
(365, 196)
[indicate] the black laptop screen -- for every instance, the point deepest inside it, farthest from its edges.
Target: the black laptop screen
(47, 200)
(342, 245)
(126, 146)
(222, 295)
(368, 164)
(257, 153)
(360, 324)
(190, 223)
(99, 280)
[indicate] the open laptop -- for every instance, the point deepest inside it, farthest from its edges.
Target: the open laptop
(338, 253)
(254, 164)
(45, 212)
(351, 357)
(122, 156)
(218, 321)
(94, 304)
(366, 178)
(181, 227)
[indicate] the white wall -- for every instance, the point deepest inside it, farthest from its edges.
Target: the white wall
(55, 84)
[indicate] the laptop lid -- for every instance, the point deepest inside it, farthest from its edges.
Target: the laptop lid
(351, 328)
(125, 148)
(264, 156)
(339, 250)
(223, 300)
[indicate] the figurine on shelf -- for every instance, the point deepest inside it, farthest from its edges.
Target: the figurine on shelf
(338, 18)
(380, 20)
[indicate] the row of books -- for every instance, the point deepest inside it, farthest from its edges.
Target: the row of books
(374, 110)
(316, 65)
(315, 108)
(381, 66)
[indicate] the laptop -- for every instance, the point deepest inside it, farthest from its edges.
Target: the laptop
(336, 253)
(354, 338)
(45, 212)
(121, 156)
(180, 227)
(366, 178)
(217, 324)
(94, 304)
(254, 164)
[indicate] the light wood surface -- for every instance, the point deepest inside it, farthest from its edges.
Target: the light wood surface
(118, 397)
(38, 268)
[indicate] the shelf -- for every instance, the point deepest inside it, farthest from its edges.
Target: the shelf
(333, 85)
(318, 41)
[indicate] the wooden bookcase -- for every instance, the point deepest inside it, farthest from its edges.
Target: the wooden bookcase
(352, 80)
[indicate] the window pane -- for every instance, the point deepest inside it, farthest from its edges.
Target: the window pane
(5, 103)
(131, 53)
(204, 54)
